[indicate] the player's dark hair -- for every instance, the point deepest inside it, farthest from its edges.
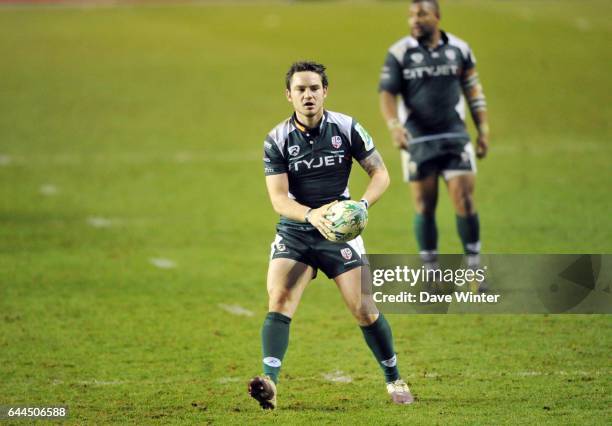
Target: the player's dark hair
(306, 66)
(434, 3)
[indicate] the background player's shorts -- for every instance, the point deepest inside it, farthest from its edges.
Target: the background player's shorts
(447, 164)
(311, 248)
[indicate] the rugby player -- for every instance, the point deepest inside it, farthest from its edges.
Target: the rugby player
(307, 162)
(429, 71)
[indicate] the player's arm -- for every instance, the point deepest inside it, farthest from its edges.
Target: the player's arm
(374, 166)
(388, 109)
(278, 190)
(389, 86)
(474, 94)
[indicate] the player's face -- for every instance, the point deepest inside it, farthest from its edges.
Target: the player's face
(423, 20)
(307, 93)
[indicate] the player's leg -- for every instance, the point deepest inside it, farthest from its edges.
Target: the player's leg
(376, 332)
(425, 198)
(461, 191)
(423, 179)
(459, 172)
(374, 326)
(287, 279)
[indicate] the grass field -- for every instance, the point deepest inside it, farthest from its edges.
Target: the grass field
(134, 133)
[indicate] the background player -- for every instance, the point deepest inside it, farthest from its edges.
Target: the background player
(307, 161)
(429, 71)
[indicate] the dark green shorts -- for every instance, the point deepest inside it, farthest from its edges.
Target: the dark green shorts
(311, 248)
(417, 165)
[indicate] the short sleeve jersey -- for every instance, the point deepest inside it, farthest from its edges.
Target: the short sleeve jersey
(429, 82)
(317, 161)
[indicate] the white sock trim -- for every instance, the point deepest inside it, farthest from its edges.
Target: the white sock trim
(270, 361)
(391, 362)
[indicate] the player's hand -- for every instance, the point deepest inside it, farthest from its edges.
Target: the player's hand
(400, 137)
(318, 220)
(482, 145)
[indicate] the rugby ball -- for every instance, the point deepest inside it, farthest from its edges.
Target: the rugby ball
(349, 218)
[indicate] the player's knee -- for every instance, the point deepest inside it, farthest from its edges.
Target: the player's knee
(278, 299)
(464, 203)
(425, 205)
(362, 314)
(366, 318)
(463, 199)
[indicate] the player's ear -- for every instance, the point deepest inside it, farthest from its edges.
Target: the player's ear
(324, 92)
(288, 95)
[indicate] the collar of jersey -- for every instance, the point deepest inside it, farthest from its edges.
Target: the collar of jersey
(303, 128)
(443, 40)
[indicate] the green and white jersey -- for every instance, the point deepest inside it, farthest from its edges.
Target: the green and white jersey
(317, 161)
(429, 82)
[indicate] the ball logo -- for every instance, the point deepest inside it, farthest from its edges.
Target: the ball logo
(346, 253)
(294, 150)
(336, 141)
(417, 58)
(450, 54)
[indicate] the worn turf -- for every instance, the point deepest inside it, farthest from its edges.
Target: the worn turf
(148, 122)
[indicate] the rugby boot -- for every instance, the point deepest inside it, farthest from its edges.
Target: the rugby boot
(263, 389)
(400, 393)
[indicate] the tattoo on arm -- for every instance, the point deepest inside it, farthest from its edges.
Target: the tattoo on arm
(372, 163)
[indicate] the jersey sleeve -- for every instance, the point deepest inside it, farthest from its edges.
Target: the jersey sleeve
(273, 160)
(469, 60)
(362, 144)
(390, 75)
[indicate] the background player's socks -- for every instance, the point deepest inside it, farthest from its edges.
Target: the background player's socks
(274, 340)
(426, 232)
(380, 340)
(468, 228)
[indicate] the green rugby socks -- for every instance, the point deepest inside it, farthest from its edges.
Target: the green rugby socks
(468, 228)
(426, 233)
(275, 340)
(380, 340)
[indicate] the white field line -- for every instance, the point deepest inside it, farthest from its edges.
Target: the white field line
(583, 24)
(127, 4)
(66, 159)
(162, 263)
(337, 377)
(272, 21)
(5, 160)
(236, 310)
(322, 378)
(224, 380)
(48, 190)
(101, 222)
(241, 156)
(93, 382)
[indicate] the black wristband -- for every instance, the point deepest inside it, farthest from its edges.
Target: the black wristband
(365, 202)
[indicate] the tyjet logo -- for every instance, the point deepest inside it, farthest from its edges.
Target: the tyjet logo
(315, 163)
(430, 71)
